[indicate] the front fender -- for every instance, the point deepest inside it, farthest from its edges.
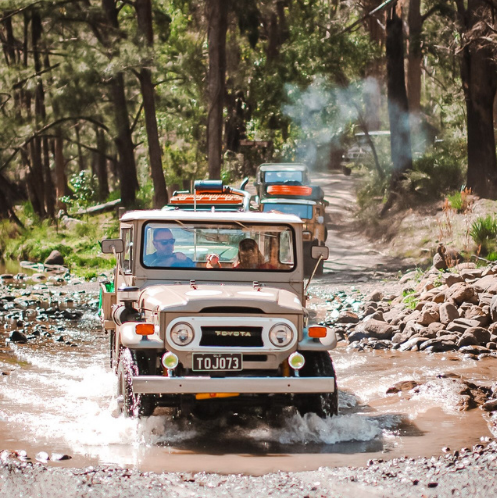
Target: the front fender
(322, 344)
(130, 339)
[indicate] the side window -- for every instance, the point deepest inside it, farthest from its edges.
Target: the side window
(285, 249)
(127, 256)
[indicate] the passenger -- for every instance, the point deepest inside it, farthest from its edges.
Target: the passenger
(164, 252)
(250, 257)
(212, 261)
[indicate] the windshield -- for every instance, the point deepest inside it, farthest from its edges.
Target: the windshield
(283, 176)
(303, 211)
(229, 246)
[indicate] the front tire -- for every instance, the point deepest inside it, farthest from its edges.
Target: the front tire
(318, 364)
(130, 404)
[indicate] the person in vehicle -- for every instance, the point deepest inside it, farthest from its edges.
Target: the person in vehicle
(164, 252)
(250, 257)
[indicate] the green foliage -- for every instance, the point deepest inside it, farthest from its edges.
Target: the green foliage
(84, 190)
(438, 171)
(410, 299)
(484, 231)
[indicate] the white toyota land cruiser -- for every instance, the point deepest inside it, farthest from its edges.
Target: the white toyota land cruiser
(208, 310)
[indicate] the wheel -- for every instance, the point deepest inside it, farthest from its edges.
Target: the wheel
(318, 364)
(131, 404)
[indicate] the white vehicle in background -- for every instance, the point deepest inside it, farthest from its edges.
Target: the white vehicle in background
(198, 325)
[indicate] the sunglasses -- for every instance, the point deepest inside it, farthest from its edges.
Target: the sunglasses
(165, 242)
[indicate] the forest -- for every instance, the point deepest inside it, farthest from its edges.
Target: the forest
(131, 99)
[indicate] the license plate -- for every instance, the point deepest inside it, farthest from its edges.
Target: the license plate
(217, 362)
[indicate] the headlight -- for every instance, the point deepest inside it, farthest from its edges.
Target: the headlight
(182, 334)
(281, 335)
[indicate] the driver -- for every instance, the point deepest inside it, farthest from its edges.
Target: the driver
(164, 251)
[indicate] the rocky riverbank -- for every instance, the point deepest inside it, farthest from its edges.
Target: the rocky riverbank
(464, 472)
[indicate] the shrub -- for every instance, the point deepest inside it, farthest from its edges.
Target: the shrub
(483, 232)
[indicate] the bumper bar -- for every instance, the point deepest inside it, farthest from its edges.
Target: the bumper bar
(156, 384)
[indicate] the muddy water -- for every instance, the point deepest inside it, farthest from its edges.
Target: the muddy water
(59, 396)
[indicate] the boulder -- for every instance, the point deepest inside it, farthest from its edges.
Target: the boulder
(435, 328)
(428, 316)
(474, 336)
(474, 350)
(448, 313)
(376, 329)
(471, 273)
(485, 283)
(347, 317)
(438, 345)
(439, 262)
(375, 296)
(405, 385)
(452, 278)
(460, 292)
(414, 341)
(477, 313)
(493, 309)
(394, 316)
(17, 336)
(55, 258)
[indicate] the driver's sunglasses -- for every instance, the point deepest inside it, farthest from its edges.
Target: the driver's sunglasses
(165, 242)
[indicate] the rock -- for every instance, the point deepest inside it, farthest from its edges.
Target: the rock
(347, 317)
(448, 313)
(485, 283)
(460, 292)
(57, 457)
(55, 258)
(376, 329)
(471, 273)
(474, 350)
(42, 456)
(394, 316)
(435, 328)
(376, 296)
(19, 337)
(490, 405)
(438, 345)
(439, 262)
(413, 341)
(493, 309)
(428, 316)
(477, 313)
(357, 335)
(405, 385)
(474, 336)
(452, 278)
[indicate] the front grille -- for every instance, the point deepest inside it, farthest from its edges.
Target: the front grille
(234, 337)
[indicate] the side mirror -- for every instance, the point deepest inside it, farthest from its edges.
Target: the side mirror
(111, 245)
(320, 251)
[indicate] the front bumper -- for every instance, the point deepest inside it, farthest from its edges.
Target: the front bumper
(156, 384)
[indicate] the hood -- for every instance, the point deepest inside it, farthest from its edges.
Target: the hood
(185, 297)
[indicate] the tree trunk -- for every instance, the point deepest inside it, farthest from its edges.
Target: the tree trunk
(144, 16)
(101, 165)
(50, 200)
(398, 109)
(217, 16)
(415, 22)
(128, 179)
(478, 73)
(60, 174)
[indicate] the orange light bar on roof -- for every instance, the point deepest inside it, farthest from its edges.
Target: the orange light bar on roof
(206, 199)
(289, 190)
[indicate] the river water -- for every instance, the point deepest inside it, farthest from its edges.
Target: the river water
(57, 395)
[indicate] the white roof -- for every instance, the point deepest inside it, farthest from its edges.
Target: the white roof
(215, 216)
(287, 200)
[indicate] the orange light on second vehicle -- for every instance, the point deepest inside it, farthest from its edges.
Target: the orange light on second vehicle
(145, 329)
(318, 332)
(289, 190)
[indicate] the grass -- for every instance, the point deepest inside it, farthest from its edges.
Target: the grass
(79, 243)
